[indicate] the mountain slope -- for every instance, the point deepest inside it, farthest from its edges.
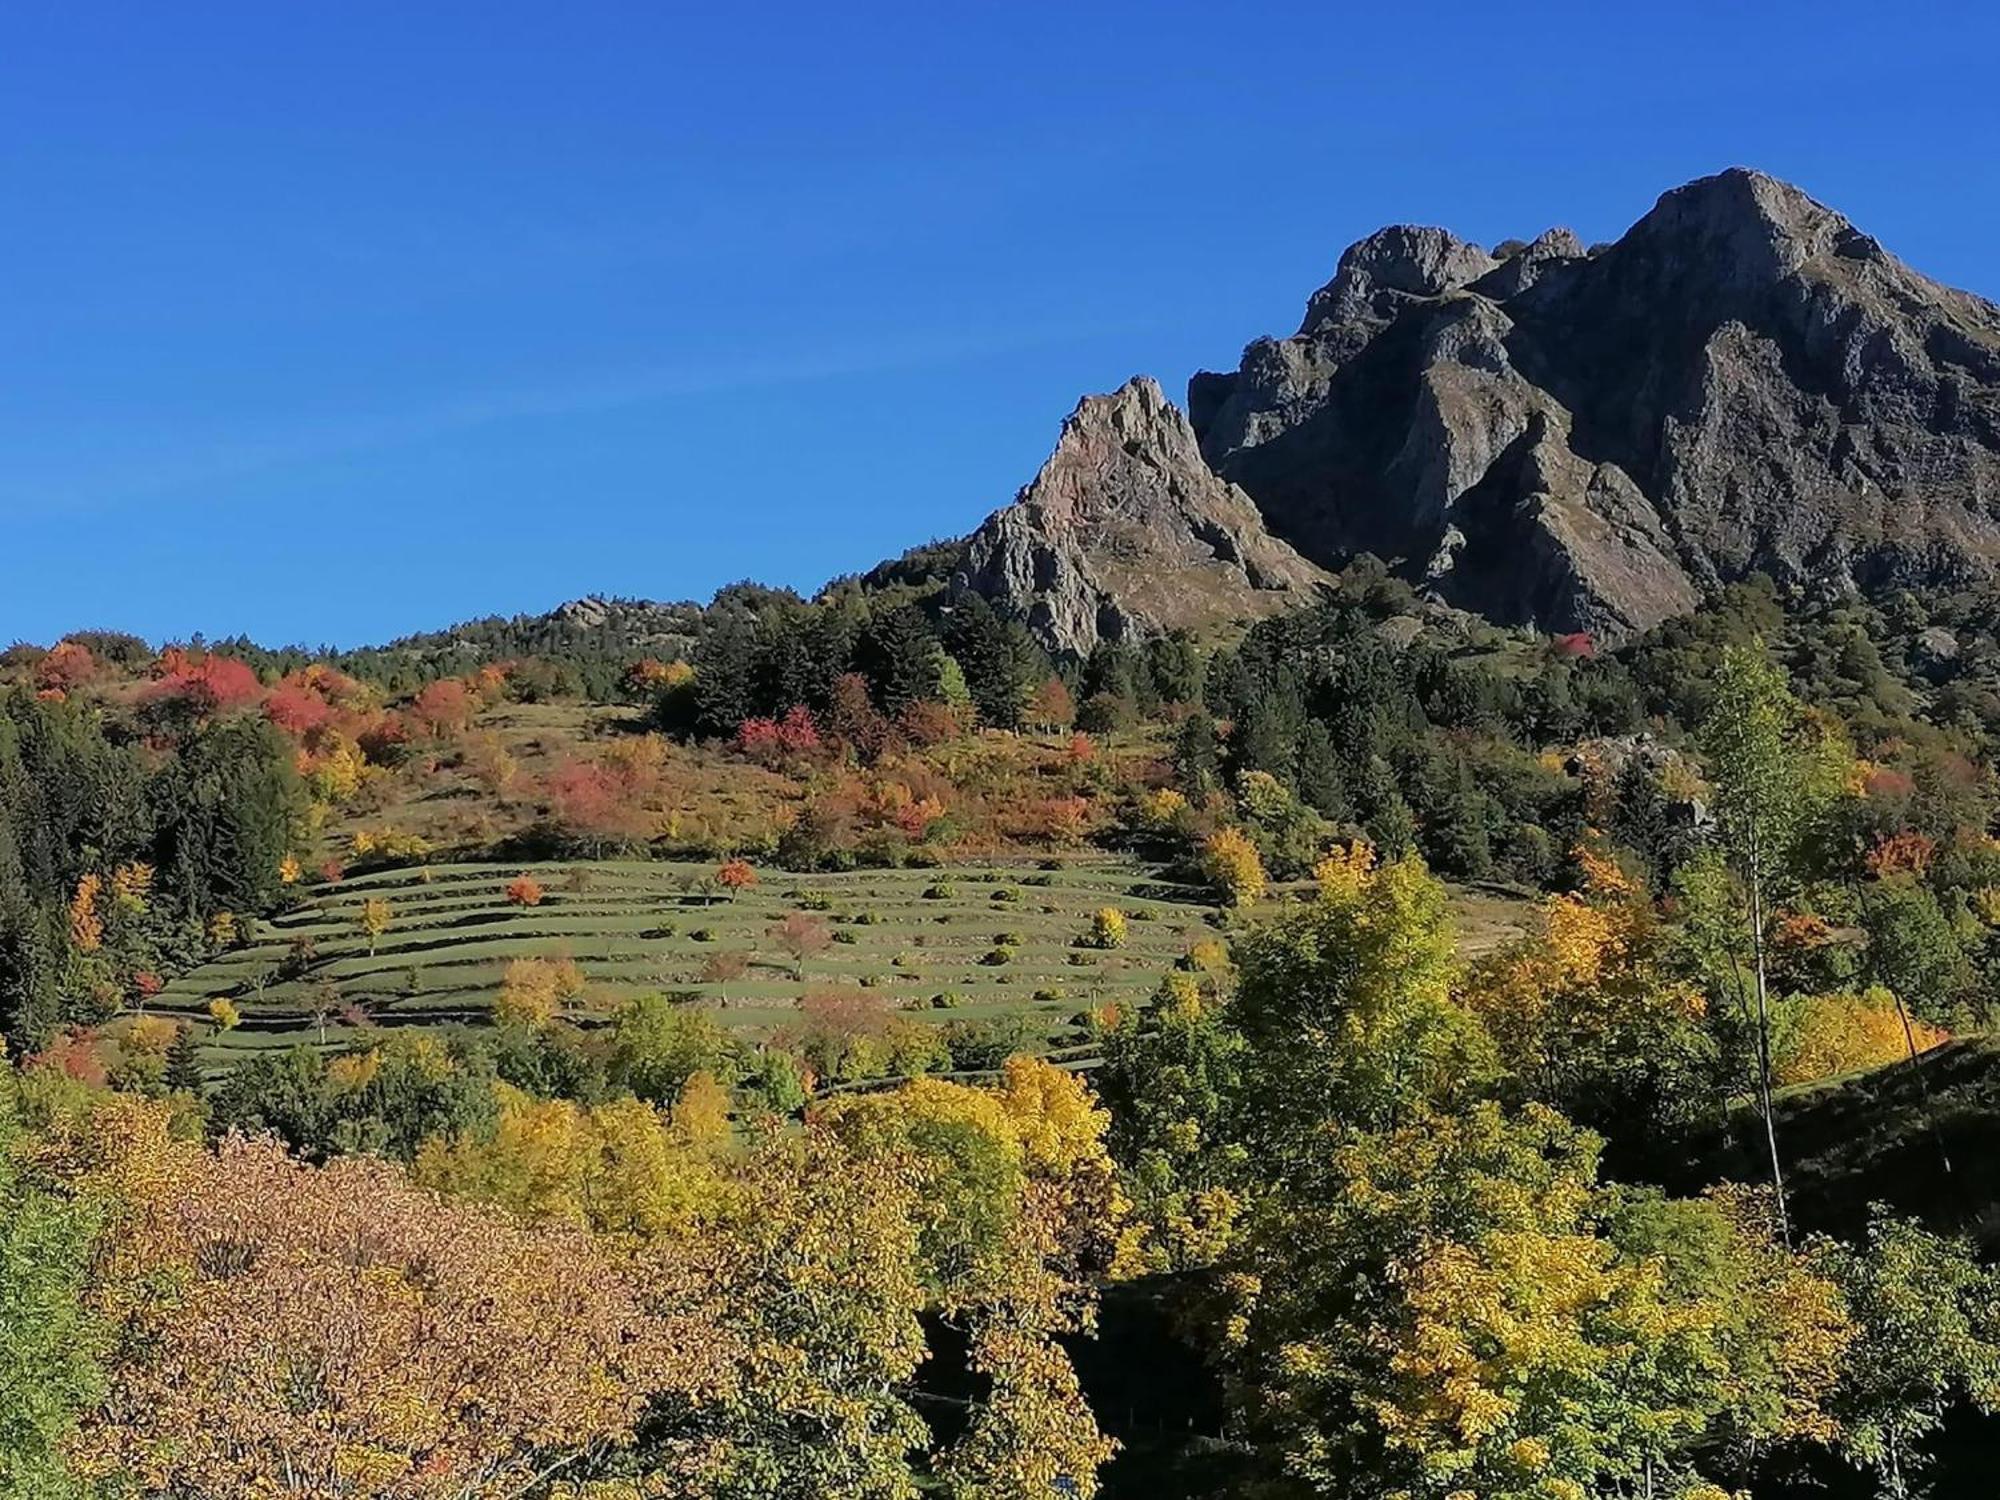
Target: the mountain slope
(1580, 440)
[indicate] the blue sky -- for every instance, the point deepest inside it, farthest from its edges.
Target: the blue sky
(333, 322)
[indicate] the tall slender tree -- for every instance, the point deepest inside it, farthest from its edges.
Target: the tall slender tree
(1770, 776)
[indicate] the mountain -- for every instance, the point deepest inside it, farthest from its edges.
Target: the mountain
(1126, 533)
(1590, 439)
(1547, 435)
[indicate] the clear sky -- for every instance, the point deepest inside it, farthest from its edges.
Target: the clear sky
(330, 322)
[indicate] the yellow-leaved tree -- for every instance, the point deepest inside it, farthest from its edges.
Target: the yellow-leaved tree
(1021, 1215)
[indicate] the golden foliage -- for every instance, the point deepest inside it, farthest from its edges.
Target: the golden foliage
(1343, 873)
(617, 1167)
(1107, 928)
(534, 991)
(1847, 1033)
(86, 926)
(1587, 970)
(1230, 860)
(132, 887)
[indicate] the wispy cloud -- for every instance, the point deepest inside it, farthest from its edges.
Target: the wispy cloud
(313, 440)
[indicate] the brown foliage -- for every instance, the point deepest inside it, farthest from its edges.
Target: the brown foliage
(337, 1326)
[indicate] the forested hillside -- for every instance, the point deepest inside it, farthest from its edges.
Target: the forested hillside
(1453, 1061)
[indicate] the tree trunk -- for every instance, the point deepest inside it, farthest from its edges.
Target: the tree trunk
(1764, 1040)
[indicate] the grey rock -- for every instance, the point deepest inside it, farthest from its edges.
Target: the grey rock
(1126, 533)
(1518, 272)
(1937, 646)
(1588, 440)
(1392, 265)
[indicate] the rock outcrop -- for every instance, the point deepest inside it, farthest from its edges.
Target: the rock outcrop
(1126, 533)
(1587, 440)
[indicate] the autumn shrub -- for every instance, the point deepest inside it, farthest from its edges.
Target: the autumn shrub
(1107, 928)
(1231, 863)
(535, 991)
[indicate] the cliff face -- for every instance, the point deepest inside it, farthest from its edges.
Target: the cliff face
(1743, 382)
(1127, 533)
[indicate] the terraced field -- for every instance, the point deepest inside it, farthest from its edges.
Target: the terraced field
(990, 939)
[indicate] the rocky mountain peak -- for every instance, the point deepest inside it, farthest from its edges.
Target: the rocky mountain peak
(1125, 533)
(1403, 261)
(1586, 440)
(1744, 228)
(1547, 435)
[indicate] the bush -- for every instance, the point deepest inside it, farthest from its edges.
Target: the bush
(995, 958)
(944, 890)
(980, 1046)
(1006, 895)
(1050, 995)
(816, 900)
(772, 1080)
(703, 935)
(947, 1000)
(1107, 928)
(1006, 939)
(845, 936)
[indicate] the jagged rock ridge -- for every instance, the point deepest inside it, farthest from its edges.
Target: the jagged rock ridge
(1581, 440)
(1127, 533)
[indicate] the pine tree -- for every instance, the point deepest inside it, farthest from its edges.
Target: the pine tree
(901, 659)
(725, 687)
(1320, 782)
(1001, 662)
(1197, 760)
(184, 1063)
